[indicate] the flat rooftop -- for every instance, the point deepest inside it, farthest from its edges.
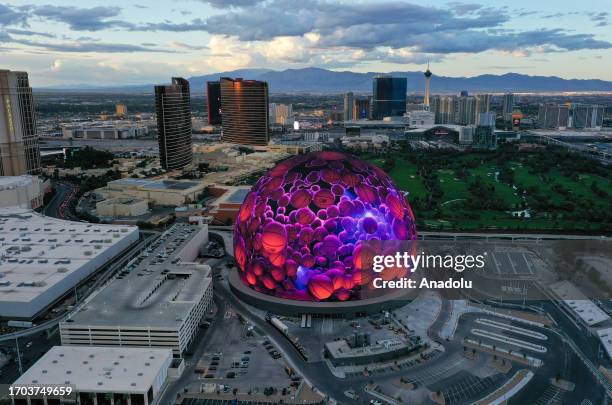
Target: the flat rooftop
(232, 195)
(605, 336)
(451, 127)
(99, 369)
(341, 349)
(37, 253)
(160, 291)
(586, 309)
(156, 184)
(238, 196)
(604, 133)
(11, 182)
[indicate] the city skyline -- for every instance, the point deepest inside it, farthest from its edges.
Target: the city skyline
(63, 44)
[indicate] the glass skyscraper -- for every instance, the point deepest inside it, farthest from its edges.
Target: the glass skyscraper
(173, 109)
(19, 149)
(389, 97)
(586, 116)
(348, 106)
(213, 102)
(361, 108)
(245, 111)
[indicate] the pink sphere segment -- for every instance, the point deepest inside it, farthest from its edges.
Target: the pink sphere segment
(300, 230)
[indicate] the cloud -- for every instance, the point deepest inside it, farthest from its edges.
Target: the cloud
(231, 3)
(330, 33)
(81, 47)
(288, 18)
(183, 45)
(12, 16)
(600, 18)
(196, 24)
(461, 28)
(16, 31)
(96, 71)
(464, 8)
(555, 15)
(82, 19)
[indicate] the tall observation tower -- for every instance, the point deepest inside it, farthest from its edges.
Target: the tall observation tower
(427, 80)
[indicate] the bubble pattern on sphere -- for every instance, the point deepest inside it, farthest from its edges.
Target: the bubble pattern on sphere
(302, 229)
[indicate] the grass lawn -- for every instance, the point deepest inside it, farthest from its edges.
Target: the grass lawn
(503, 191)
(524, 179)
(404, 174)
(452, 187)
(582, 187)
(454, 214)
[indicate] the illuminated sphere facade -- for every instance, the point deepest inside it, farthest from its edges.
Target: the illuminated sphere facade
(301, 229)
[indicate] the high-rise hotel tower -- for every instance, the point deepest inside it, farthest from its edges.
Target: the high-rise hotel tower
(173, 109)
(245, 111)
(19, 150)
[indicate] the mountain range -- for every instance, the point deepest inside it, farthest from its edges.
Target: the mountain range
(317, 80)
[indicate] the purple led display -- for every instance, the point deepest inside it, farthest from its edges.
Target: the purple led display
(301, 228)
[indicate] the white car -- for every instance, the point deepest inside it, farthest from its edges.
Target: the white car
(351, 394)
(375, 402)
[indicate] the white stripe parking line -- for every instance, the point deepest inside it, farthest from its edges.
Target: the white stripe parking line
(511, 263)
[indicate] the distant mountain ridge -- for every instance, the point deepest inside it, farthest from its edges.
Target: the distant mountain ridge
(317, 80)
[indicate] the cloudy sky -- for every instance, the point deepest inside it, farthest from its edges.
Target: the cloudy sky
(145, 41)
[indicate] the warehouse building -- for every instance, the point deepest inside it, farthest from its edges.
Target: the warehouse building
(161, 192)
(101, 375)
(42, 258)
(156, 303)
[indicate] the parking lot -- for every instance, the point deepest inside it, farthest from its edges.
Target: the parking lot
(512, 263)
(465, 387)
(238, 357)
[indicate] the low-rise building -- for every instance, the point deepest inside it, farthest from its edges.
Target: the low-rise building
(295, 147)
(100, 375)
(122, 207)
(340, 353)
(160, 192)
(583, 309)
(42, 258)
(420, 119)
(229, 199)
(366, 142)
(22, 191)
(158, 302)
(105, 130)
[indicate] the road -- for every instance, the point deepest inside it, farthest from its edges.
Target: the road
(171, 392)
(317, 373)
(458, 236)
(59, 205)
(45, 335)
(103, 276)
